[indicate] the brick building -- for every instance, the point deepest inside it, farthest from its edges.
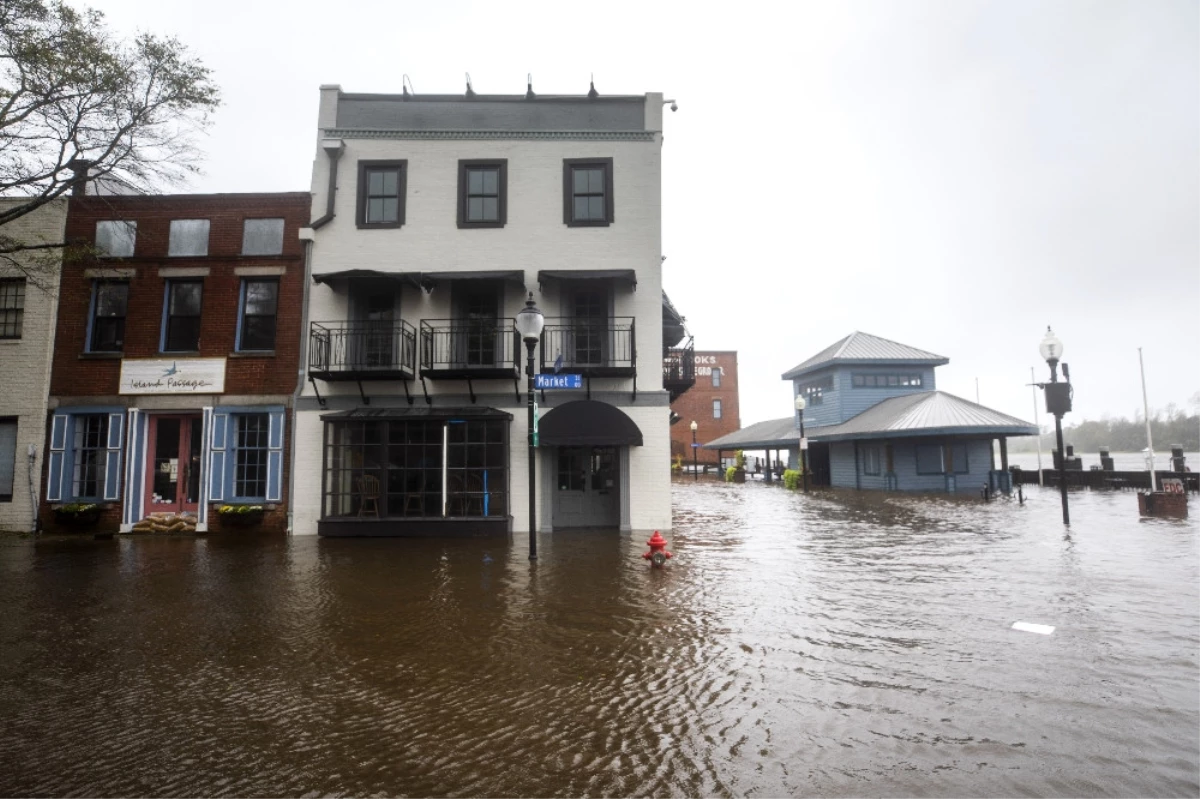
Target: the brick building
(28, 295)
(176, 357)
(712, 403)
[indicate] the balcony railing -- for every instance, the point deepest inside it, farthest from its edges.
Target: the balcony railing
(362, 350)
(679, 369)
(469, 348)
(590, 347)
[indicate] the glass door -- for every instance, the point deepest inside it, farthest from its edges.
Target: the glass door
(173, 464)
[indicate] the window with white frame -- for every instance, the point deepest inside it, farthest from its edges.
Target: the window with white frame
(189, 237)
(262, 237)
(252, 436)
(716, 409)
(115, 238)
(871, 460)
(91, 448)
(716, 377)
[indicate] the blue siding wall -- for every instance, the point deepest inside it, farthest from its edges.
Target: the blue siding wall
(843, 472)
(853, 401)
(827, 412)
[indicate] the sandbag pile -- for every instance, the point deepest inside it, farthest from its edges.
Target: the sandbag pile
(167, 523)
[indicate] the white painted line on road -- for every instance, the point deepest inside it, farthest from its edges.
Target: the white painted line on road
(1040, 629)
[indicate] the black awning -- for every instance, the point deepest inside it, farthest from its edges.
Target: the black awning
(585, 423)
(418, 412)
(513, 275)
(408, 278)
(620, 275)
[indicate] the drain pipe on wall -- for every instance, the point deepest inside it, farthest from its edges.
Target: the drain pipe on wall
(333, 148)
(33, 503)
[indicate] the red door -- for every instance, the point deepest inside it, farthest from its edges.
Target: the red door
(173, 464)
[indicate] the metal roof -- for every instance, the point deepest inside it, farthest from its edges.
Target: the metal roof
(927, 413)
(865, 348)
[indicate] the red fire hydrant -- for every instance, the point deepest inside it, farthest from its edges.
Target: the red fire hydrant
(658, 553)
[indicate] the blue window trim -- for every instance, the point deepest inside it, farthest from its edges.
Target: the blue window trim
(276, 414)
(69, 453)
(241, 312)
(87, 342)
(162, 333)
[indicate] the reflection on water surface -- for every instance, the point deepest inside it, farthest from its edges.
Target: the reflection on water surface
(831, 644)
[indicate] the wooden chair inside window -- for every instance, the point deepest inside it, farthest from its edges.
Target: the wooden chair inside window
(368, 492)
(415, 500)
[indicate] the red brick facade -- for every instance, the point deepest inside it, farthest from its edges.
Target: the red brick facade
(696, 404)
(81, 378)
(79, 374)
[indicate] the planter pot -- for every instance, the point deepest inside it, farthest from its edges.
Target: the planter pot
(77, 518)
(252, 519)
(739, 476)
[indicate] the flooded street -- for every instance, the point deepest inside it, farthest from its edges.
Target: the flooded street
(828, 644)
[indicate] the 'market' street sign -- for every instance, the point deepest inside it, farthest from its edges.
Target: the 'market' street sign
(544, 381)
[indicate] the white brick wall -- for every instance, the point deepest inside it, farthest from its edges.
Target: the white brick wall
(25, 363)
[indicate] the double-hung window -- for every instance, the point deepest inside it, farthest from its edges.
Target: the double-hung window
(115, 238)
(587, 192)
(12, 307)
(381, 190)
(8, 458)
(871, 463)
(91, 449)
(250, 460)
(482, 193)
(189, 238)
(181, 331)
(716, 409)
(260, 307)
(716, 377)
(110, 306)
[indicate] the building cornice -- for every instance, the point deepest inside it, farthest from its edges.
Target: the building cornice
(493, 135)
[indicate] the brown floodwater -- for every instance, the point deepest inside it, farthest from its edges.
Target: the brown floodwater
(829, 644)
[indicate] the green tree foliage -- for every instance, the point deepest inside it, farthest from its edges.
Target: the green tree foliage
(72, 93)
(1168, 427)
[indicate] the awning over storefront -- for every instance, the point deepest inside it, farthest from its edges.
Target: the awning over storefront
(379, 414)
(584, 423)
(409, 278)
(511, 275)
(619, 275)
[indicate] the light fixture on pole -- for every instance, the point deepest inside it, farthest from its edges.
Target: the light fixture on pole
(695, 463)
(803, 458)
(1058, 402)
(529, 326)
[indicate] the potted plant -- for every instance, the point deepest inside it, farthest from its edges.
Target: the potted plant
(241, 515)
(739, 472)
(78, 513)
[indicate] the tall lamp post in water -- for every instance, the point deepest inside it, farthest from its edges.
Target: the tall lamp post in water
(529, 326)
(1058, 402)
(800, 406)
(695, 462)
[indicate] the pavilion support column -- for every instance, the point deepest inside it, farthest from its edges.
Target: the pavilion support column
(1004, 453)
(767, 473)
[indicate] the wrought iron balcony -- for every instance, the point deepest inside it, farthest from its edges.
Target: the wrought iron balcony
(470, 348)
(590, 347)
(362, 350)
(679, 369)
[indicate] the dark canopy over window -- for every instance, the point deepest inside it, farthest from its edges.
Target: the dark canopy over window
(587, 423)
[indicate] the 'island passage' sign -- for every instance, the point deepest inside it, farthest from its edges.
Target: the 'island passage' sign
(173, 376)
(544, 381)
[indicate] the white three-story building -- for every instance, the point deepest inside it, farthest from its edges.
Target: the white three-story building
(435, 218)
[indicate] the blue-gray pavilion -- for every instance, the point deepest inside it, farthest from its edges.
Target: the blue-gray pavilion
(875, 420)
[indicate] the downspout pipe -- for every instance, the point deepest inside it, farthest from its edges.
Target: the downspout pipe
(334, 149)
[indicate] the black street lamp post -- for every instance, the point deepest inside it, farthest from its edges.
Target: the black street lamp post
(800, 406)
(695, 461)
(529, 325)
(1058, 402)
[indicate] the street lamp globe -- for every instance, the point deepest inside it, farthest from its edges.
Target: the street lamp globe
(695, 427)
(800, 403)
(530, 321)
(1051, 348)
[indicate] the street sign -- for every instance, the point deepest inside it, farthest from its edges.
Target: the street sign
(545, 381)
(804, 443)
(695, 446)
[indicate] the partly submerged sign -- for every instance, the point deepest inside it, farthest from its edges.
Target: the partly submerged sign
(173, 376)
(544, 381)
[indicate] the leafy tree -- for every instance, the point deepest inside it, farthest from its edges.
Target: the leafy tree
(78, 104)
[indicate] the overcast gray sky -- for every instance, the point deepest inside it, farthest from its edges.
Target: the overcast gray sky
(952, 175)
